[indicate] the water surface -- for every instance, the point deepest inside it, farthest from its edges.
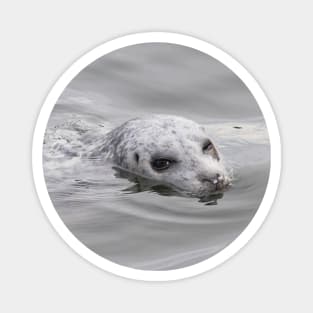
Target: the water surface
(146, 230)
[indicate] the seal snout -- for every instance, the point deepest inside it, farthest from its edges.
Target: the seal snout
(170, 150)
(218, 181)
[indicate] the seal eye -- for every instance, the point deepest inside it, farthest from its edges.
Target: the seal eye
(161, 164)
(207, 146)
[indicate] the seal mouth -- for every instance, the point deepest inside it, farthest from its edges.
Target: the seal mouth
(217, 183)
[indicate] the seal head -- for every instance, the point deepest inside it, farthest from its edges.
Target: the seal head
(170, 150)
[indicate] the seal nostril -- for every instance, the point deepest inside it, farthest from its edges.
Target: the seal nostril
(205, 180)
(213, 180)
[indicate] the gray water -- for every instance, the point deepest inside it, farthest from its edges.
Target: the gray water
(149, 230)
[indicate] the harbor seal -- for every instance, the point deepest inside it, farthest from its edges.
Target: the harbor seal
(171, 150)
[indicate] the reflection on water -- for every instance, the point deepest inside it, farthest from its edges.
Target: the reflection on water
(128, 219)
(141, 184)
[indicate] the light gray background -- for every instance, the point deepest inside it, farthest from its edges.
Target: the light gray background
(39, 272)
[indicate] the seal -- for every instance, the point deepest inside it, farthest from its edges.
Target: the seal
(171, 150)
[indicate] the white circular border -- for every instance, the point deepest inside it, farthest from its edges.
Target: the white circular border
(38, 172)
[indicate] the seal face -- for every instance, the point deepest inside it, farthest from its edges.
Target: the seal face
(168, 149)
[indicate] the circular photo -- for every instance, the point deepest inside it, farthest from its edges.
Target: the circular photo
(156, 156)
